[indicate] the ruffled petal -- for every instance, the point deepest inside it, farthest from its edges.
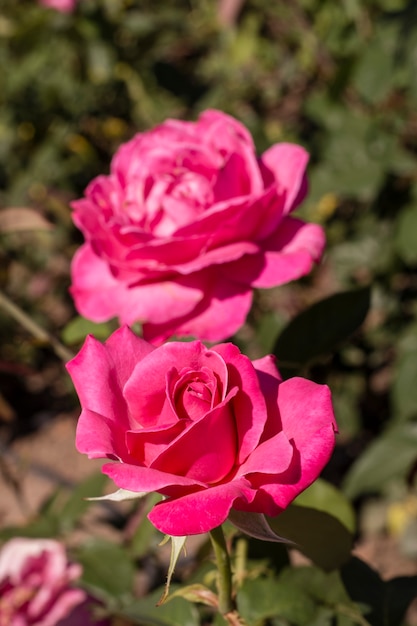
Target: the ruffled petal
(285, 165)
(220, 314)
(99, 372)
(99, 296)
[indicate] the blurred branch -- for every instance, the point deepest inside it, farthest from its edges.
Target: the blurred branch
(33, 328)
(228, 11)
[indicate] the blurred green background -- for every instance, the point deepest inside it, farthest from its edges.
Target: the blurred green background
(339, 78)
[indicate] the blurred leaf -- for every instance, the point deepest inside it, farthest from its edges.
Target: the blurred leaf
(78, 328)
(21, 219)
(327, 590)
(406, 235)
(77, 504)
(177, 612)
(264, 598)
(318, 535)
(324, 497)
(146, 535)
(107, 570)
(387, 458)
(387, 602)
(319, 329)
(373, 76)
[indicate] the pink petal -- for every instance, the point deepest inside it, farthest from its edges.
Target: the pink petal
(308, 421)
(147, 395)
(201, 511)
(249, 404)
(285, 256)
(138, 479)
(99, 296)
(99, 371)
(285, 165)
(270, 457)
(100, 437)
(218, 316)
(206, 451)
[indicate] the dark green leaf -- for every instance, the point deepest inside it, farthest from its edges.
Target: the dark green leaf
(319, 329)
(387, 602)
(324, 497)
(318, 535)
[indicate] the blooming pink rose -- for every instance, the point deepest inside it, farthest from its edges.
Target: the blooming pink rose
(35, 579)
(188, 222)
(205, 427)
(64, 6)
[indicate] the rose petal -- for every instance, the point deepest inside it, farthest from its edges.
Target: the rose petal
(99, 296)
(285, 256)
(100, 371)
(207, 450)
(220, 314)
(136, 478)
(199, 512)
(285, 164)
(146, 395)
(249, 404)
(270, 457)
(308, 421)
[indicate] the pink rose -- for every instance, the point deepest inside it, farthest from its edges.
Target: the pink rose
(35, 585)
(188, 222)
(205, 427)
(64, 6)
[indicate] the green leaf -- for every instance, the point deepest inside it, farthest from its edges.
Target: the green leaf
(107, 570)
(373, 77)
(318, 535)
(324, 497)
(177, 612)
(77, 503)
(387, 458)
(78, 328)
(146, 535)
(264, 598)
(319, 329)
(406, 235)
(387, 602)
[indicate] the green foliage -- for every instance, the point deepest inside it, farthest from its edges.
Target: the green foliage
(385, 601)
(337, 77)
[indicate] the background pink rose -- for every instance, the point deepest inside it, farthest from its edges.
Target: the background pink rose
(206, 428)
(64, 6)
(188, 222)
(35, 585)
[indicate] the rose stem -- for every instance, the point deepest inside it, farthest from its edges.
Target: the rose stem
(224, 580)
(33, 328)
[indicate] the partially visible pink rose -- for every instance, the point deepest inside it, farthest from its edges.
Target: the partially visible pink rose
(35, 586)
(206, 428)
(188, 222)
(64, 6)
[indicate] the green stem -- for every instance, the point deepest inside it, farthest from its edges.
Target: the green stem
(33, 328)
(224, 581)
